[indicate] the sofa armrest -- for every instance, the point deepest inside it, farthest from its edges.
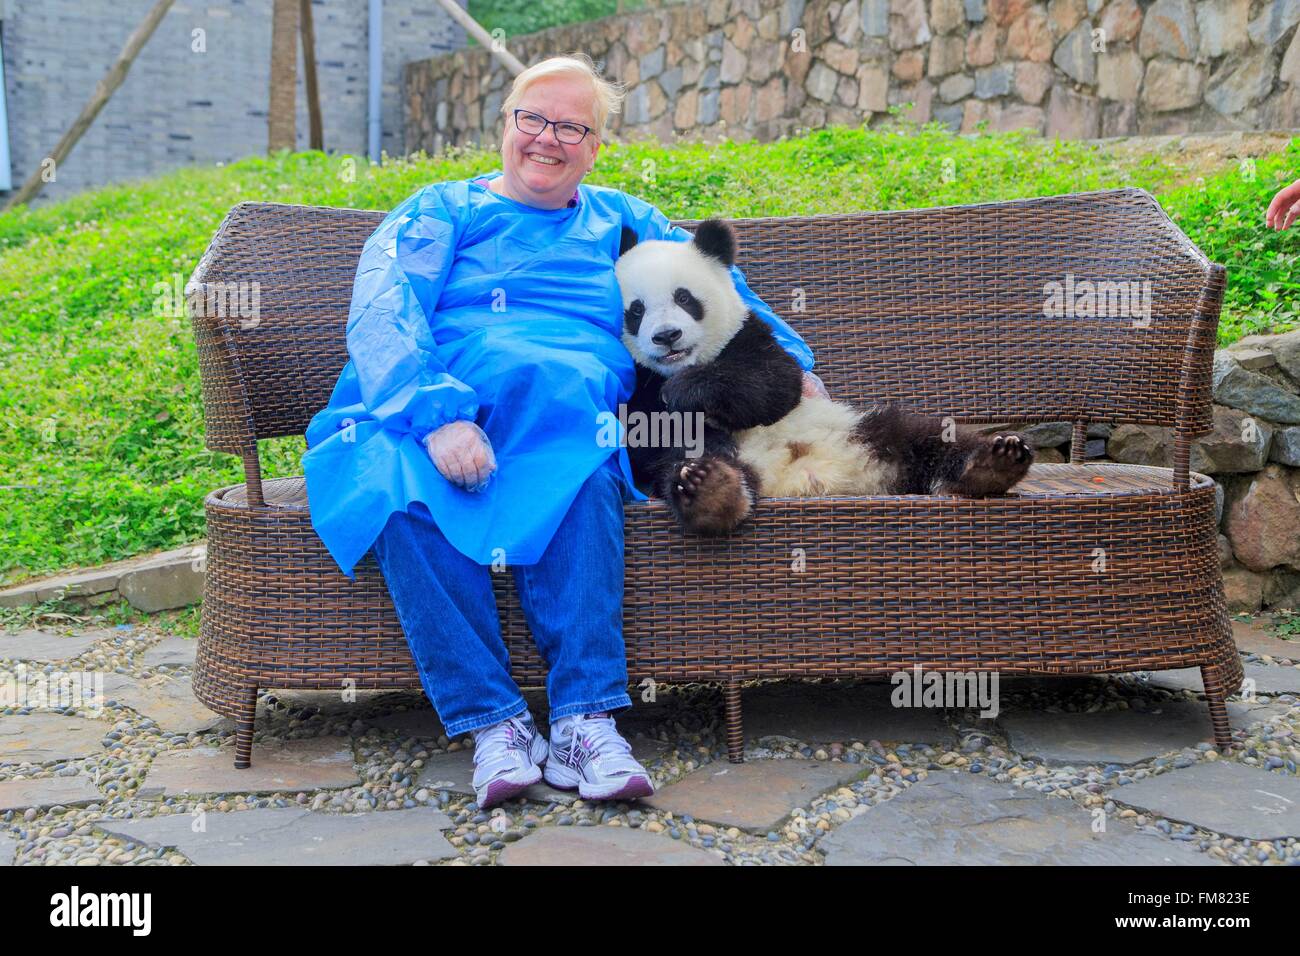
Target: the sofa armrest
(227, 417)
(1194, 412)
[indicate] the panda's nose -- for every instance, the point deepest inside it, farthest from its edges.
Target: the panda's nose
(666, 337)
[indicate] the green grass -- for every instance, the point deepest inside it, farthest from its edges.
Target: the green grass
(1286, 625)
(518, 17)
(101, 433)
(182, 622)
(1225, 217)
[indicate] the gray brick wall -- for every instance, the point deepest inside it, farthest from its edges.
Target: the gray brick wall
(179, 107)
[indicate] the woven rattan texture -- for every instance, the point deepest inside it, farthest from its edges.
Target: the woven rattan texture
(815, 587)
(941, 309)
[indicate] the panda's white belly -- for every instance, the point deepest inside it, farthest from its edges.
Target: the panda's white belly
(811, 452)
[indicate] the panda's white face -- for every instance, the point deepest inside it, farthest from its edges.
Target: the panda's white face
(680, 305)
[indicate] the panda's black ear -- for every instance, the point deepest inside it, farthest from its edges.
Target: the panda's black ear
(713, 237)
(627, 240)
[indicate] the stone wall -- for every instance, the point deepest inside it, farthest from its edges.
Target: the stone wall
(193, 98)
(763, 68)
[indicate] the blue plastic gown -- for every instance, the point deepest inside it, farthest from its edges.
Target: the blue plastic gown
(468, 304)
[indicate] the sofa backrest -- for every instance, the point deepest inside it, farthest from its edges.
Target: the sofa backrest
(988, 313)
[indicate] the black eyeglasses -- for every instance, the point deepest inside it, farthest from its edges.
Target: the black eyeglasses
(535, 124)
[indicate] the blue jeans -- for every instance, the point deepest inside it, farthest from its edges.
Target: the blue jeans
(572, 600)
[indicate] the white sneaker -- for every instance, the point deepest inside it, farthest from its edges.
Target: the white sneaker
(507, 759)
(588, 754)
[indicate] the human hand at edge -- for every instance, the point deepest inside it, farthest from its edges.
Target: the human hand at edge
(462, 453)
(1285, 207)
(813, 386)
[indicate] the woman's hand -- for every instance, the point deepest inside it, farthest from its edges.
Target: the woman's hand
(462, 453)
(812, 386)
(1285, 207)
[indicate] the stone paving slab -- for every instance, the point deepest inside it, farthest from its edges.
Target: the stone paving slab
(1224, 796)
(755, 795)
(150, 582)
(49, 737)
(966, 819)
(1273, 679)
(168, 701)
(8, 849)
(1268, 679)
(44, 792)
(1253, 638)
(1120, 736)
(314, 763)
(171, 652)
(163, 581)
(826, 713)
(45, 647)
(292, 836)
(454, 772)
(603, 846)
(84, 583)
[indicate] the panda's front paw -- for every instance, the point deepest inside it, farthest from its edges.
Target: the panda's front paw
(682, 393)
(710, 495)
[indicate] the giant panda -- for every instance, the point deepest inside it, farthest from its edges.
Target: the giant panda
(699, 349)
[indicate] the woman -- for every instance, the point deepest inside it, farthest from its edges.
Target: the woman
(485, 353)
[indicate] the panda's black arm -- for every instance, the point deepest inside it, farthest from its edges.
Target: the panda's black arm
(752, 382)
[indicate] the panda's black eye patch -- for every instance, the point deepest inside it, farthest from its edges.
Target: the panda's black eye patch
(633, 314)
(688, 303)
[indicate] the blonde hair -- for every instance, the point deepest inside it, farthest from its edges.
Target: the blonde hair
(606, 96)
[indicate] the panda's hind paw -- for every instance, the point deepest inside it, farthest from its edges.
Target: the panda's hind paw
(995, 466)
(1012, 450)
(710, 495)
(691, 475)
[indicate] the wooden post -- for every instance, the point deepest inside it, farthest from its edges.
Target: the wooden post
(103, 91)
(316, 133)
(281, 118)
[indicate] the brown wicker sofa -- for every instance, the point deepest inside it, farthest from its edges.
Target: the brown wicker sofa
(1083, 568)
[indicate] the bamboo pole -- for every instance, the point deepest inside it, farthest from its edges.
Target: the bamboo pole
(478, 33)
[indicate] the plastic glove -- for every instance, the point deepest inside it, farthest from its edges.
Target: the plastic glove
(462, 453)
(813, 386)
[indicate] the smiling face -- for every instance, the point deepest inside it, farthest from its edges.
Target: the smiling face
(540, 170)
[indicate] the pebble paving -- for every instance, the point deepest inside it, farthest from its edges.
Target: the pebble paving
(1106, 769)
